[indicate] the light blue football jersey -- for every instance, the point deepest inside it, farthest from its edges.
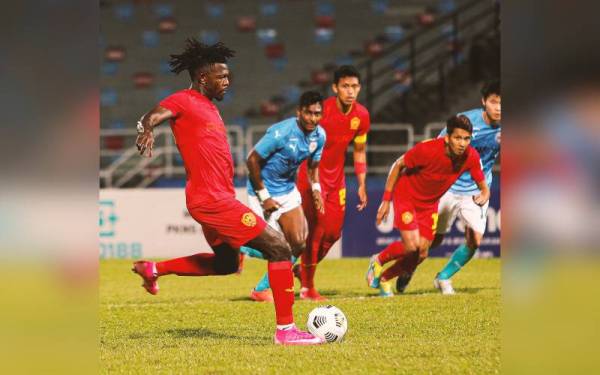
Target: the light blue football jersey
(284, 147)
(486, 140)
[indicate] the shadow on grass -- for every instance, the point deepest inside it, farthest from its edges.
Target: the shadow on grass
(325, 293)
(469, 290)
(207, 333)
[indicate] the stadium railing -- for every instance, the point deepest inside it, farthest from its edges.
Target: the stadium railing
(125, 168)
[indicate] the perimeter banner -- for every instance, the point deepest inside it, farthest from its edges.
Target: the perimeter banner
(361, 237)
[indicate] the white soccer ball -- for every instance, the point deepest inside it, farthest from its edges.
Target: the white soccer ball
(327, 322)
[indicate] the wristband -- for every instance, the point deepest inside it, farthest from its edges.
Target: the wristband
(387, 196)
(316, 186)
(140, 127)
(360, 167)
(263, 195)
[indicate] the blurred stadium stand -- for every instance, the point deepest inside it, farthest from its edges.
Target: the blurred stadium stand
(421, 60)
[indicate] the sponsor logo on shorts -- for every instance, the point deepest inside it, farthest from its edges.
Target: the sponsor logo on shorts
(407, 217)
(290, 290)
(248, 219)
(354, 123)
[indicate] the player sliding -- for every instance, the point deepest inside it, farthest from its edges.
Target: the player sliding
(344, 121)
(227, 224)
(416, 182)
(458, 200)
(272, 167)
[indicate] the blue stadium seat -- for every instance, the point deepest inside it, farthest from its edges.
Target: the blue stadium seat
(108, 97)
(209, 36)
(446, 6)
(164, 67)
(214, 9)
(163, 10)
(379, 6)
(269, 8)
(323, 35)
(150, 38)
(266, 36)
(394, 33)
(325, 8)
(109, 68)
(124, 12)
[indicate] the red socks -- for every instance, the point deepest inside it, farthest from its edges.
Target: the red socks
(404, 265)
(393, 251)
(282, 286)
(194, 265)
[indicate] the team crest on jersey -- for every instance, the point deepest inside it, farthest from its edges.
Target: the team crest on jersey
(312, 147)
(407, 217)
(248, 219)
(354, 123)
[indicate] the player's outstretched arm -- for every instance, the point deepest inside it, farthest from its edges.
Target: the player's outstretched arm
(313, 177)
(145, 138)
(253, 163)
(390, 183)
(360, 169)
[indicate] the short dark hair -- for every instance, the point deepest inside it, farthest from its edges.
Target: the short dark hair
(309, 98)
(490, 88)
(345, 71)
(199, 55)
(459, 122)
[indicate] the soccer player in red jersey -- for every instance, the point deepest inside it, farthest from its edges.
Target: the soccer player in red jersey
(227, 224)
(345, 121)
(416, 182)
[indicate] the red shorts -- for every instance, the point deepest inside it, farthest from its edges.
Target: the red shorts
(409, 216)
(335, 210)
(228, 221)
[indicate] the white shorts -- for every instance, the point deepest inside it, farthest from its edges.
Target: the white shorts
(452, 205)
(287, 202)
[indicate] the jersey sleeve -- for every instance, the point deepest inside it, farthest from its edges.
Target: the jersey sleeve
(415, 156)
(316, 155)
(475, 166)
(269, 143)
(174, 103)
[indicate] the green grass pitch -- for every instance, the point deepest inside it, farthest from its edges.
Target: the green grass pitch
(207, 325)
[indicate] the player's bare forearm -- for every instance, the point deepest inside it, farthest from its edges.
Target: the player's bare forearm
(313, 177)
(484, 195)
(145, 138)
(155, 117)
(360, 158)
(394, 174)
(360, 169)
(313, 172)
(253, 164)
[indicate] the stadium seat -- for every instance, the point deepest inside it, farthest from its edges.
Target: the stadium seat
(150, 39)
(143, 80)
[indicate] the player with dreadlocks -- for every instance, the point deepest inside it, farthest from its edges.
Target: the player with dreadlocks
(227, 224)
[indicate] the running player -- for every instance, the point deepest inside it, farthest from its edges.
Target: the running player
(272, 167)
(344, 121)
(423, 174)
(227, 224)
(458, 200)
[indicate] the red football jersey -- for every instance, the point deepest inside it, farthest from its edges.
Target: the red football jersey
(340, 130)
(201, 138)
(430, 172)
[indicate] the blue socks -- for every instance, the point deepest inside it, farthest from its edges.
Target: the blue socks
(459, 258)
(263, 284)
(251, 252)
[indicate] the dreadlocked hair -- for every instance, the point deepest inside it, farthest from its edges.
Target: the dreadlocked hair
(198, 55)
